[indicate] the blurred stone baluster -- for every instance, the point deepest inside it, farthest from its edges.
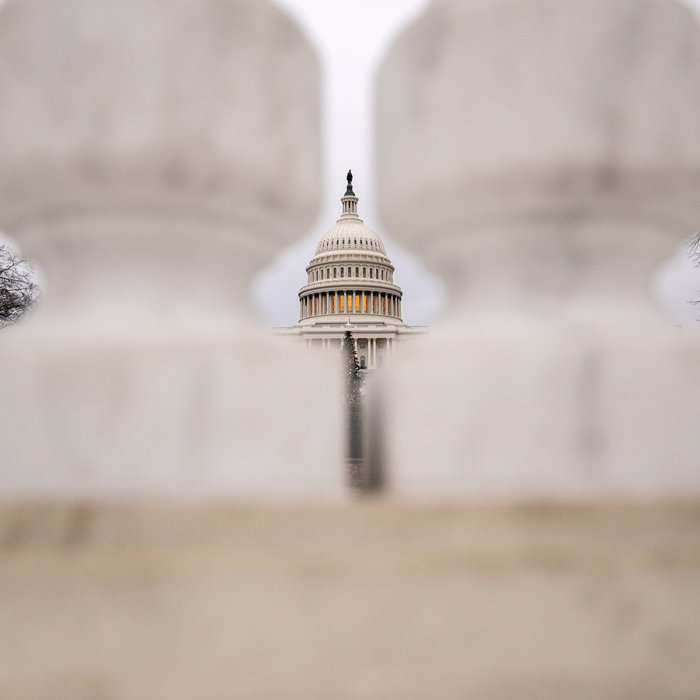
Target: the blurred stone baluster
(544, 158)
(153, 157)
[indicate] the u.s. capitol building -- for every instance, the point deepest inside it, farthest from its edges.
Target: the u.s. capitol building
(350, 286)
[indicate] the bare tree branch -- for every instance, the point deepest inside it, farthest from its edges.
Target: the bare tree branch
(694, 248)
(694, 253)
(18, 287)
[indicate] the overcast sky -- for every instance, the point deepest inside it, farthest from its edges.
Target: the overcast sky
(351, 37)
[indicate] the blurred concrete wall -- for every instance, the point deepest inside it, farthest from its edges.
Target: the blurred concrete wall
(544, 158)
(153, 157)
(357, 603)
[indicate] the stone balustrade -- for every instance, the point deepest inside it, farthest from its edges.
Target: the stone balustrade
(153, 157)
(543, 158)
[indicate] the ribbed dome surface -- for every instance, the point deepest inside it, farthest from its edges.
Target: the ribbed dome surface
(350, 234)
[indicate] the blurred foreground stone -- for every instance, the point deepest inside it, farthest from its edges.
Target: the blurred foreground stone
(373, 600)
(153, 158)
(543, 157)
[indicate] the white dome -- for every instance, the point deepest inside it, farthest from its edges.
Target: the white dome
(350, 274)
(350, 234)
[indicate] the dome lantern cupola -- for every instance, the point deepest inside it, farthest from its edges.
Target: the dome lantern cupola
(349, 199)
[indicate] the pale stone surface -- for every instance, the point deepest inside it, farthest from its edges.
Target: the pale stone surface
(139, 139)
(515, 107)
(544, 158)
(153, 157)
(206, 413)
(371, 601)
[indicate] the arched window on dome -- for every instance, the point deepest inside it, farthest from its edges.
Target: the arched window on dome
(356, 241)
(370, 273)
(349, 271)
(321, 274)
(343, 241)
(342, 271)
(328, 273)
(335, 272)
(364, 272)
(357, 272)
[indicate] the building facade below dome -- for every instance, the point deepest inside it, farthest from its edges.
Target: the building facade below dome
(350, 286)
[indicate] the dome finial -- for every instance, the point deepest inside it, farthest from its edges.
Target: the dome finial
(348, 191)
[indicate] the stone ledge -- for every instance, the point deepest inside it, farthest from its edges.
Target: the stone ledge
(371, 600)
(381, 535)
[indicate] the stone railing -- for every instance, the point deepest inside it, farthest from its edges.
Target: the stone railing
(546, 179)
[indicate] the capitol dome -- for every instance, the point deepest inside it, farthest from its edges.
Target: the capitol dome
(350, 289)
(350, 233)
(350, 273)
